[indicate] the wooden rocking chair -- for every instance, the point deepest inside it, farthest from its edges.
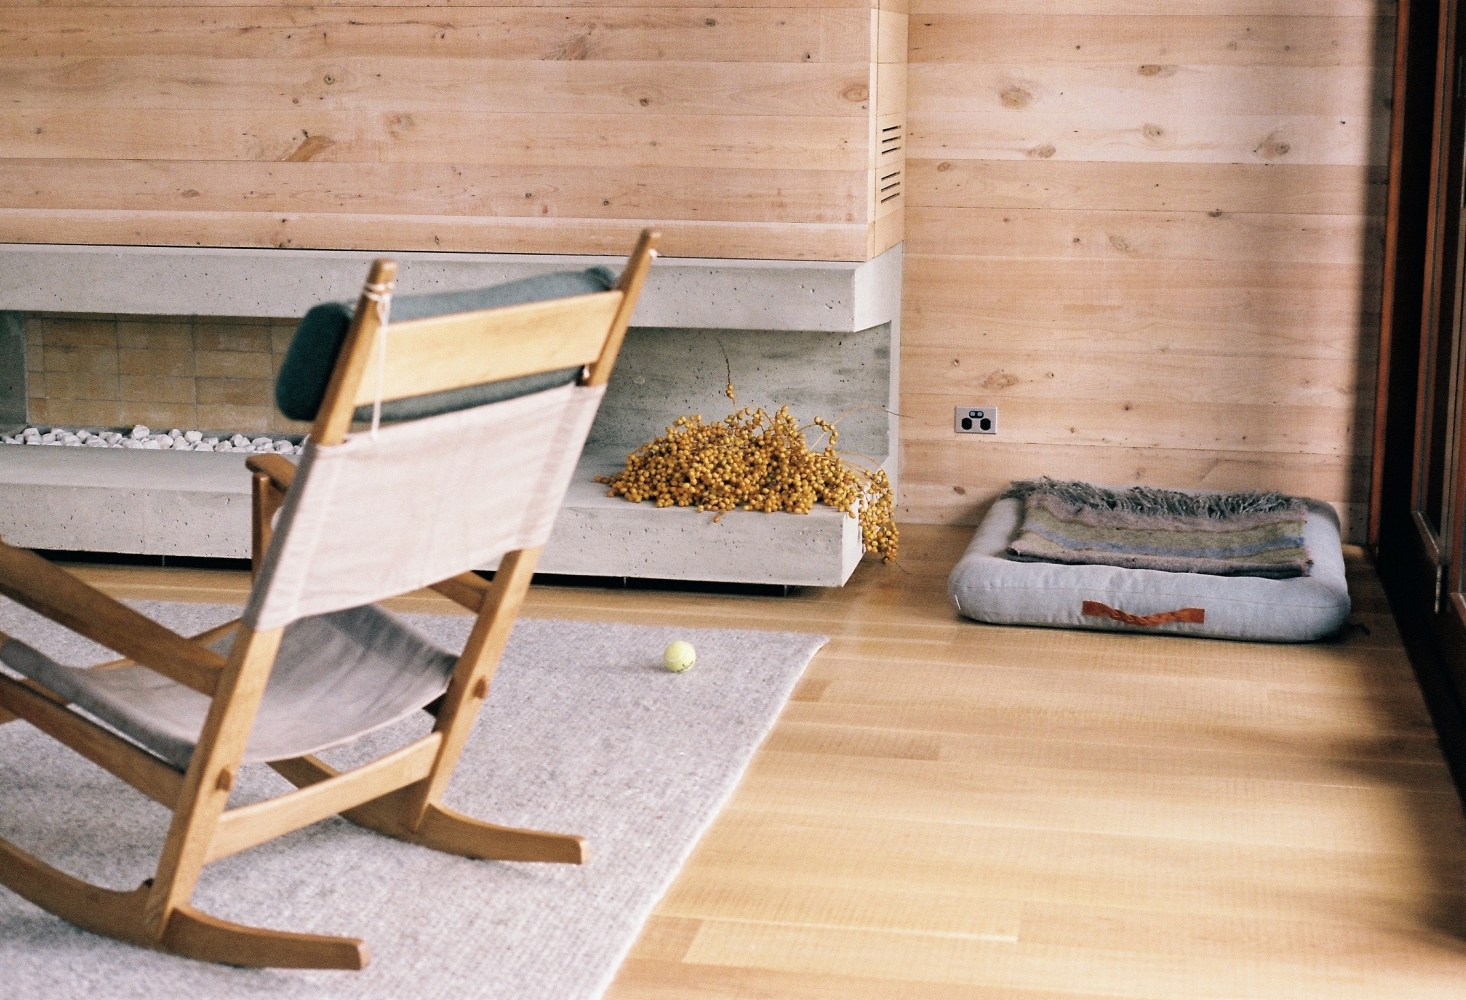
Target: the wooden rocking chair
(313, 663)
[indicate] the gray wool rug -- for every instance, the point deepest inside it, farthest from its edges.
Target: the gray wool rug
(584, 733)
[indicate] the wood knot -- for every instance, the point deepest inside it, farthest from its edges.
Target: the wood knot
(1156, 69)
(943, 167)
(1015, 98)
(1042, 152)
(1153, 132)
(859, 92)
(481, 688)
(225, 782)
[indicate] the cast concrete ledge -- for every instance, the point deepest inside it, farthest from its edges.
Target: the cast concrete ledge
(832, 296)
(198, 504)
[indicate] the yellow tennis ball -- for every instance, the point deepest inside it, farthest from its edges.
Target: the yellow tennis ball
(679, 656)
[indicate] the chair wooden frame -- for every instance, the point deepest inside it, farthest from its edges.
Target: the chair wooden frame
(399, 795)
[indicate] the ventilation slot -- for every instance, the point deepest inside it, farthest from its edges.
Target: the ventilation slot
(891, 139)
(888, 187)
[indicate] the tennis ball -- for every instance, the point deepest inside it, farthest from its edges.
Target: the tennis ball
(679, 656)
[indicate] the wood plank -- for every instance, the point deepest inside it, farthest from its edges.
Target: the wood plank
(1272, 189)
(1008, 965)
(981, 467)
(1120, 131)
(997, 373)
(468, 4)
(1156, 38)
(688, 33)
(420, 189)
(393, 84)
(1151, 8)
(787, 241)
(726, 142)
(1078, 235)
(1159, 93)
(1268, 429)
(1240, 310)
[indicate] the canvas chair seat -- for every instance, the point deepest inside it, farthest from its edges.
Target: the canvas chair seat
(337, 676)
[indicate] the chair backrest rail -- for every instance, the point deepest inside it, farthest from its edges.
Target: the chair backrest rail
(449, 352)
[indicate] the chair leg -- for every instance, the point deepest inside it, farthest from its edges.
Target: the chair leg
(188, 933)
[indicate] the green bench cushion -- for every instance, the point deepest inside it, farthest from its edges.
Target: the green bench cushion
(308, 363)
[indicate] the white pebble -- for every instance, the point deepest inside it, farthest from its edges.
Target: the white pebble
(96, 442)
(262, 441)
(224, 446)
(211, 440)
(194, 437)
(239, 440)
(283, 447)
(140, 431)
(175, 433)
(203, 446)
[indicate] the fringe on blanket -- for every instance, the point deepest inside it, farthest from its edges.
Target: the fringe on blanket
(1250, 533)
(1150, 500)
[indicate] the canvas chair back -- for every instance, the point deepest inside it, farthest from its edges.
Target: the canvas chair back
(377, 513)
(380, 515)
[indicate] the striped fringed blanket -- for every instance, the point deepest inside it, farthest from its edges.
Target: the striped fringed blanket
(1225, 534)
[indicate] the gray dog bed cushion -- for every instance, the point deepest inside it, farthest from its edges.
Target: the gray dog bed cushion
(990, 587)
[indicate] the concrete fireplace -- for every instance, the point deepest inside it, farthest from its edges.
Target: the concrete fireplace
(109, 336)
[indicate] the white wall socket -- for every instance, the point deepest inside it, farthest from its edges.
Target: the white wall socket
(975, 420)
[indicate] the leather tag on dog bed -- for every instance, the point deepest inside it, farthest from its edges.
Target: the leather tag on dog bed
(1094, 609)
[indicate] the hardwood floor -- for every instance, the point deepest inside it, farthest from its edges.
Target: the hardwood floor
(952, 811)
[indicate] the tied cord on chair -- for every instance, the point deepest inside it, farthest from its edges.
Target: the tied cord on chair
(380, 292)
(1094, 609)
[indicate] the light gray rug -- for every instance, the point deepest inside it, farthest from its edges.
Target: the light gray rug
(583, 733)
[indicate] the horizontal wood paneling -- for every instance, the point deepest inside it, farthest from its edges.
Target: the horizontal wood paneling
(1153, 39)
(746, 131)
(635, 33)
(388, 83)
(1322, 189)
(1080, 308)
(1059, 234)
(1113, 133)
(1151, 235)
(357, 231)
(764, 142)
(671, 193)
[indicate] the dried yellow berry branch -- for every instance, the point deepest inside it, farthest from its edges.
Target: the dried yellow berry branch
(757, 462)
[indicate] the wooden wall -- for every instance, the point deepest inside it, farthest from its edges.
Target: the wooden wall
(1149, 231)
(752, 130)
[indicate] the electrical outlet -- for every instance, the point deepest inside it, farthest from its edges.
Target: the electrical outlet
(975, 420)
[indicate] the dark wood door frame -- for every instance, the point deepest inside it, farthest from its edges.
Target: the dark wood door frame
(1426, 108)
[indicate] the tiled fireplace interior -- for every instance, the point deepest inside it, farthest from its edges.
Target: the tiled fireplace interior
(205, 373)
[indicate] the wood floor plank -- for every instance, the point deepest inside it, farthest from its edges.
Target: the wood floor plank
(954, 811)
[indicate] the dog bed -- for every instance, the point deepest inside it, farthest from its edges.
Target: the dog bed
(989, 586)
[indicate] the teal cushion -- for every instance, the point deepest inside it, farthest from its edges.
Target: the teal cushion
(312, 355)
